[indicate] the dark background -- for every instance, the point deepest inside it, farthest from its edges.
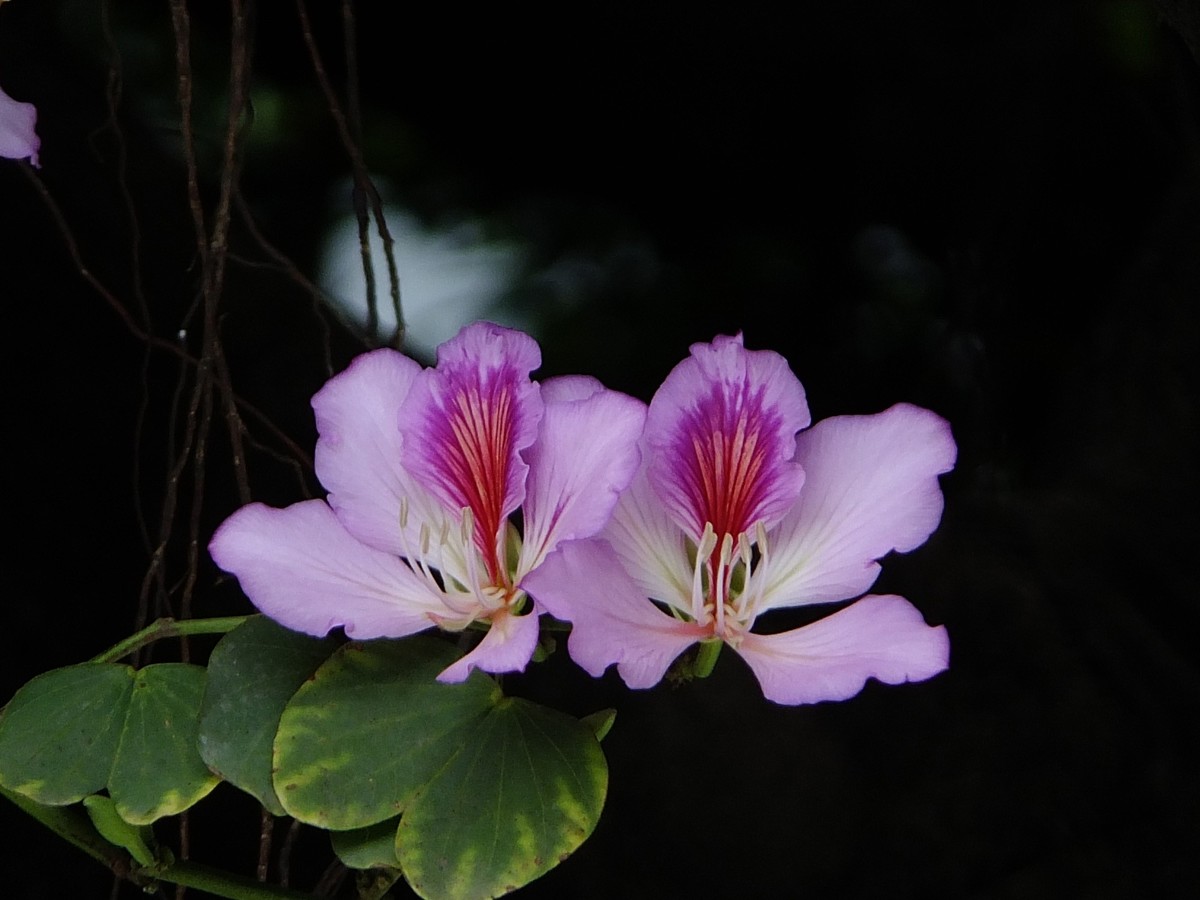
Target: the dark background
(992, 210)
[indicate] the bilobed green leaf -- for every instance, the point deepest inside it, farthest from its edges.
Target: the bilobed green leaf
(370, 728)
(525, 791)
(373, 847)
(59, 733)
(158, 770)
(252, 673)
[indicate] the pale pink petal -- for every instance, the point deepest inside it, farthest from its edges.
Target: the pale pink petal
(878, 637)
(721, 431)
(507, 647)
(359, 448)
(18, 137)
(584, 583)
(585, 455)
(650, 544)
(302, 568)
(465, 423)
(872, 487)
(570, 387)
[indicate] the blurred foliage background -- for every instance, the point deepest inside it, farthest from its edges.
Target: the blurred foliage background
(989, 210)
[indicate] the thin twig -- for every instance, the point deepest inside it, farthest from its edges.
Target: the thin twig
(239, 74)
(285, 853)
(285, 264)
(181, 23)
(266, 830)
(365, 192)
(249, 409)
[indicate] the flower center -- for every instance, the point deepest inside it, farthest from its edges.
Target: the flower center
(450, 563)
(728, 581)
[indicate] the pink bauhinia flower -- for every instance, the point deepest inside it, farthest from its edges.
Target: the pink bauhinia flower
(737, 511)
(18, 139)
(425, 469)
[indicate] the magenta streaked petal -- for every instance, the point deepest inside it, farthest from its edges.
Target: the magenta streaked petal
(465, 423)
(18, 137)
(507, 647)
(721, 430)
(650, 543)
(584, 583)
(585, 455)
(872, 487)
(881, 637)
(302, 568)
(359, 449)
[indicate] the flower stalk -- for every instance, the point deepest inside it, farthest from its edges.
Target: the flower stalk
(167, 627)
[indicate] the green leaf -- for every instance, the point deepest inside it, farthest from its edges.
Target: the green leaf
(252, 673)
(601, 722)
(520, 797)
(158, 770)
(103, 813)
(373, 847)
(59, 733)
(370, 728)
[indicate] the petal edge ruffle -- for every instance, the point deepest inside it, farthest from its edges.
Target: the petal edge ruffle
(722, 429)
(882, 637)
(871, 487)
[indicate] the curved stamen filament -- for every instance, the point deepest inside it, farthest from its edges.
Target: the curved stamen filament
(416, 561)
(708, 542)
(427, 561)
(756, 586)
(720, 585)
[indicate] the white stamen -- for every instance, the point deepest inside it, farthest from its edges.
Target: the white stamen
(416, 561)
(484, 594)
(704, 550)
(721, 582)
(752, 592)
(467, 526)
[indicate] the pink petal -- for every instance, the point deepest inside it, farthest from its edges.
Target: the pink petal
(564, 388)
(880, 637)
(721, 430)
(585, 455)
(584, 583)
(507, 647)
(358, 452)
(650, 544)
(18, 139)
(302, 568)
(466, 422)
(872, 487)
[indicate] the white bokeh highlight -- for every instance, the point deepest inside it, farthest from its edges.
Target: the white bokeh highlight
(448, 278)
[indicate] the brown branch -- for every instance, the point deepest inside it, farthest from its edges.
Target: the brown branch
(181, 23)
(173, 349)
(266, 830)
(285, 853)
(288, 267)
(218, 243)
(365, 194)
